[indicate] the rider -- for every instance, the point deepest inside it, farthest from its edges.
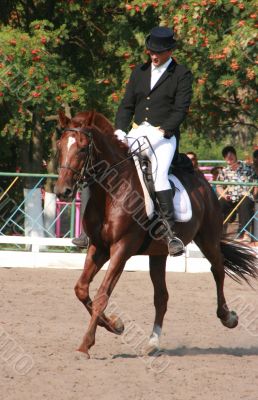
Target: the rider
(158, 95)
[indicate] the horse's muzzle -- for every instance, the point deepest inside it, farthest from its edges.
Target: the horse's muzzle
(64, 192)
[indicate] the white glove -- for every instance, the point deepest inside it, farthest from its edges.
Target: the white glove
(121, 135)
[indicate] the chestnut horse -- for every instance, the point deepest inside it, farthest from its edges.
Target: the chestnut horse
(88, 150)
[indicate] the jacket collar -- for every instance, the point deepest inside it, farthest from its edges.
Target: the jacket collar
(147, 68)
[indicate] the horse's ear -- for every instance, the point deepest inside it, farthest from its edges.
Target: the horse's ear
(63, 119)
(91, 118)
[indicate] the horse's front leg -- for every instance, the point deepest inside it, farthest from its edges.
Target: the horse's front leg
(158, 278)
(117, 262)
(94, 261)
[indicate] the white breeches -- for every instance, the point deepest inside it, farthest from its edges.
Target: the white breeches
(160, 153)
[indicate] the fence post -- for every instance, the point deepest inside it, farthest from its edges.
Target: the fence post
(72, 219)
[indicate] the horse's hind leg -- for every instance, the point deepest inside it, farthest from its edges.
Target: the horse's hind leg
(158, 277)
(210, 246)
(93, 263)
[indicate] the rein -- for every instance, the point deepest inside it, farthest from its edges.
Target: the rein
(88, 164)
(95, 174)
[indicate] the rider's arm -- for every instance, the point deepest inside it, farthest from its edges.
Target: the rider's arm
(221, 190)
(181, 103)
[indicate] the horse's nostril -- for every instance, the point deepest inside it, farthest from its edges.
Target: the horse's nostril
(63, 192)
(67, 192)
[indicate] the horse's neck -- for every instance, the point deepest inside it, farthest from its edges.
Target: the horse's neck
(102, 123)
(116, 166)
(109, 148)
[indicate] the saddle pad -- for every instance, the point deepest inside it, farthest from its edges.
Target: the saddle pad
(182, 203)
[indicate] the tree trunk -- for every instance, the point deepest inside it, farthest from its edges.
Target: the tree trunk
(50, 197)
(32, 163)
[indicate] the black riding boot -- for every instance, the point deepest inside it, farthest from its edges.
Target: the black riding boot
(82, 241)
(165, 199)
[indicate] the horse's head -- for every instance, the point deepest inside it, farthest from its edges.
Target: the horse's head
(73, 149)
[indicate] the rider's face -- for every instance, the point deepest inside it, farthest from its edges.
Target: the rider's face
(158, 59)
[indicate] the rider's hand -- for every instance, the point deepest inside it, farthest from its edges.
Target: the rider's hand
(166, 135)
(121, 135)
(162, 131)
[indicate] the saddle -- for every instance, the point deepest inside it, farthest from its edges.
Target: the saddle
(181, 200)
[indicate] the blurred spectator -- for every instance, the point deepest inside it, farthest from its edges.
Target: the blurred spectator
(255, 162)
(215, 171)
(231, 196)
(193, 157)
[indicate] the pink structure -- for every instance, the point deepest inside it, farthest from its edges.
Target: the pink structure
(59, 205)
(206, 172)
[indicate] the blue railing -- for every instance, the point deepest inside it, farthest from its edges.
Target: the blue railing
(66, 220)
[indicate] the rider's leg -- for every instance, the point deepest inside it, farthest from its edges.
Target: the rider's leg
(161, 161)
(161, 153)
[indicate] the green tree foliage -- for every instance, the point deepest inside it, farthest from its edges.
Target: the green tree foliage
(34, 82)
(216, 39)
(80, 54)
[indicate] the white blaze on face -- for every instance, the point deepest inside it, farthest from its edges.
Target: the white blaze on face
(71, 141)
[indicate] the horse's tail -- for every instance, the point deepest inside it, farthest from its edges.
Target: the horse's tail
(240, 261)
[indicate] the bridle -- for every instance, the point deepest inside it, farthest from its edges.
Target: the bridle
(89, 154)
(88, 165)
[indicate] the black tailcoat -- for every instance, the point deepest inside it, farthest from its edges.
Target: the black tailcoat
(166, 105)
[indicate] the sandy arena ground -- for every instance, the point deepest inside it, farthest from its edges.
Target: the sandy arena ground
(43, 323)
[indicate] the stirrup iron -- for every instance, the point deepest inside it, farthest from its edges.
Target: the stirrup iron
(175, 246)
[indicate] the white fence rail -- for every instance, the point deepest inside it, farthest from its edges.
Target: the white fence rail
(191, 261)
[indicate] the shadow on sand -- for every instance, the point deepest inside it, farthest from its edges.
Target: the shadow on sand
(197, 351)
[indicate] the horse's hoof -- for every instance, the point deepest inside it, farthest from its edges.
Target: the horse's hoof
(152, 346)
(82, 353)
(232, 320)
(117, 325)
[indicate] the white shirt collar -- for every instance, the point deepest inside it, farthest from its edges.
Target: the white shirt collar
(161, 68)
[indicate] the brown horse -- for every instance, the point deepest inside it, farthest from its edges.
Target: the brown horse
(89, 151)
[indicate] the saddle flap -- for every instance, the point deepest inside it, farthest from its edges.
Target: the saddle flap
(181, 200)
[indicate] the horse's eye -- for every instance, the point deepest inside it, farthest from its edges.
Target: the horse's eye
(83, 150)
(59, 131)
